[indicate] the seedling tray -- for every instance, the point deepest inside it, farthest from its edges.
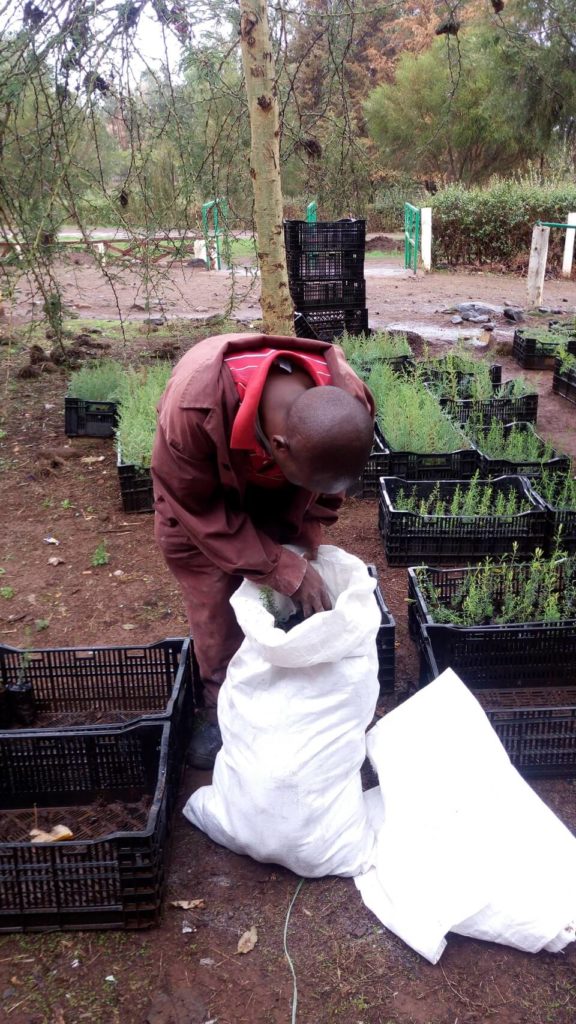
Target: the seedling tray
(433, 374)
(345, 265)
(491, 466)
(410, 538)
(104, 877)
(533, 353)
(86, 687)
(506, 409)
(385, 641)
(135, 487)
(533, 654)
(385, 461)
(537, 727)
(83, 418)
(324, 236)
(328, 324)
(564, 382)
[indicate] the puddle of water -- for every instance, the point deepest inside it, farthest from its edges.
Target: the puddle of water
(431, 332)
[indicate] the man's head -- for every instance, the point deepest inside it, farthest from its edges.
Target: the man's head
(326, 442)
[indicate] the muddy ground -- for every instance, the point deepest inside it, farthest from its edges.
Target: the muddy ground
(349, 970)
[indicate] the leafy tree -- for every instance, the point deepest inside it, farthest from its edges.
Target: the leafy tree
(444, 116)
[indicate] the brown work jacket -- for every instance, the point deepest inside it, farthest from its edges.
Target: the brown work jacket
(200, 484)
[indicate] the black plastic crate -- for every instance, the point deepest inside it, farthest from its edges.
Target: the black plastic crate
(84, 418)
(97, 687)
(116, 791)
(410, 538)
(506, 408)
(534, 354)
(560, 520)
(308, 295)
(564, 382)
(324, 236)
(385, 641)
(537, 727)
(384, 461)
(347, 264)
(135, 487)
(513, 655)
(329, 324)
(490, 466)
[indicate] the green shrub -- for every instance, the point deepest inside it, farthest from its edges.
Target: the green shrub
(99, 382)
(137, 413)
(409, 415)
(494, 224)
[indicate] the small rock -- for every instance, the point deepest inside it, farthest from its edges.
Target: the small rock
(456, 320)
(545, 309)
(477, 309)
(514, 314)
(157, 321)
(489, 326)
(477, 319)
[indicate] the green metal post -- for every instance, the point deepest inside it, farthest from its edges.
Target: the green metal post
(411, 236)
(312, 212)
(214, 206)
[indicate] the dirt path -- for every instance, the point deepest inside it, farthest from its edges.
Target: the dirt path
(349, 970)
(185, 291)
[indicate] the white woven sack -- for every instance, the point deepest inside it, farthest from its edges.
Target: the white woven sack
(463, 843)
(293, 711)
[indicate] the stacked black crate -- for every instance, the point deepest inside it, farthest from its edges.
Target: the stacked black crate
(325, 263)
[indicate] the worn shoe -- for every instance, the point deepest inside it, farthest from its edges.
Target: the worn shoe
(204, 745)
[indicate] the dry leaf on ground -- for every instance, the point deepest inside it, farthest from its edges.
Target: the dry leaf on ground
(188, 904)
(247, 941)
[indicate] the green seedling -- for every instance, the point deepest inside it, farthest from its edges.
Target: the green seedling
(7, 593)
(100, 555)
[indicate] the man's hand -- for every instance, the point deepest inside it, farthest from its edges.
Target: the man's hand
(312, 595)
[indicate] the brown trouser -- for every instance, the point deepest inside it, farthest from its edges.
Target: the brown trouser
(207, 591)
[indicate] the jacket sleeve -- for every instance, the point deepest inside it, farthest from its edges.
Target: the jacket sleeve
(187, 488)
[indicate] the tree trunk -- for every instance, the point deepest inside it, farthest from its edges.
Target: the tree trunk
(260, 75)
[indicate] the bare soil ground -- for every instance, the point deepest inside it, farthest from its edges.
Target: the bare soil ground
(349, 970)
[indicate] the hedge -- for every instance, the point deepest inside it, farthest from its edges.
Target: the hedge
(494, 224)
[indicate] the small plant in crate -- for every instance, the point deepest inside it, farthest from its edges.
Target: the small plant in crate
(473, 498)
(558, 492)
(458, 375)
(512, 441)
(410, 417)
(93, 394)
(135, 434)
(458, 520)
(99, 382)
(363, 351)
(504, 590)
(137, 413)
